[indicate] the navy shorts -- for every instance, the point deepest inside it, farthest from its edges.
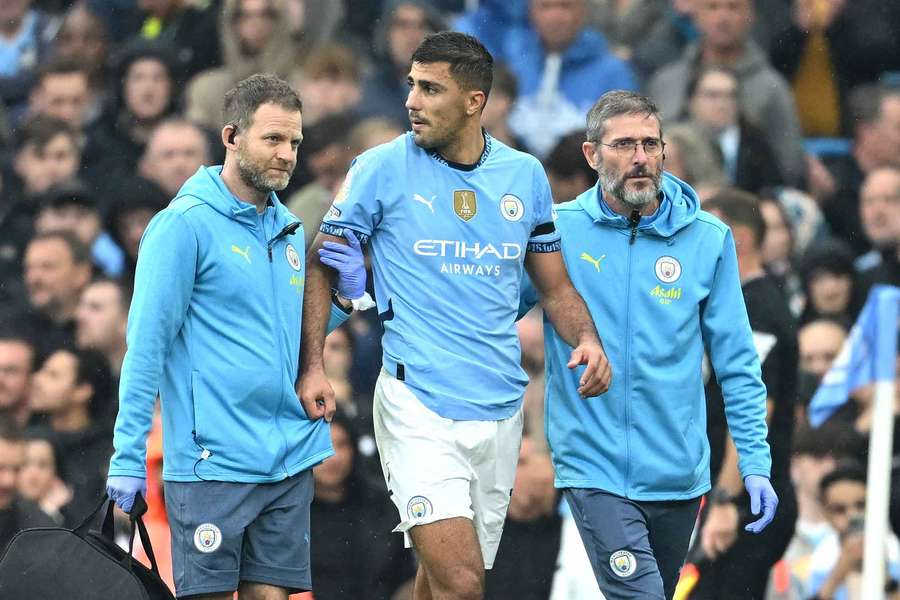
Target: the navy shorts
(636, 548)
(224, 533)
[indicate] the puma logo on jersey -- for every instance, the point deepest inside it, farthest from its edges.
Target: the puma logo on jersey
(592, 260)
(245, 252)
(428, 203)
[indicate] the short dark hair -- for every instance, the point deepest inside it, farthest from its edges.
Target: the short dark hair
(616, 103)
(92, 368)
(566, 158)
(847, 471)
(471, 65)
(40, 130)
(738, 207)
(59, 65)
(81, 254)
(242, 101)
(703, 70)
(125, 290)
(864, 102)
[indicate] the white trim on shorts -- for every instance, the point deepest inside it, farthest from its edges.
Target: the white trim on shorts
(438, 468)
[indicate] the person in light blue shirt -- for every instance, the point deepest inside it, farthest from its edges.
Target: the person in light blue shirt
(661, 278)
(452, 218)
(214, 329)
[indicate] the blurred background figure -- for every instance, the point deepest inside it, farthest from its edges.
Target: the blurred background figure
(39, 479)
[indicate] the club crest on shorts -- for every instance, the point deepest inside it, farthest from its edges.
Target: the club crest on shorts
(292, 257)
(623, 563)
(511, 208)
(668, 269)
(465, 205)
(207, 538)
(419, 507)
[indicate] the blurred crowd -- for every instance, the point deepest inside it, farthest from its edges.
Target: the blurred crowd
(108, 106)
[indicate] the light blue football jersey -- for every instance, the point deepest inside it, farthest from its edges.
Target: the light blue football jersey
(448, 244)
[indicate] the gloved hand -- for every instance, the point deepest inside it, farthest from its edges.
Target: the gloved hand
(761, 496)
(122, 490)
(348, 261)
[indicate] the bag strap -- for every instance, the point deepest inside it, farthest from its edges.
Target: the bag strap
(137, 524)
(82, 529)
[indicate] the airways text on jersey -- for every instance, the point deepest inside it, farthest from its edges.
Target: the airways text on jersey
(476, 259)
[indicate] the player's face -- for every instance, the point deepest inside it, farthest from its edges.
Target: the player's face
(632, 178)
(267, 150)
(436, 104)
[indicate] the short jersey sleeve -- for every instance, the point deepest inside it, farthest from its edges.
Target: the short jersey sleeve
(544, 237)
(358, 204)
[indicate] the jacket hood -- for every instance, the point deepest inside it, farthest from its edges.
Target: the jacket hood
(207, 186)
(678, 208)
(278, 56)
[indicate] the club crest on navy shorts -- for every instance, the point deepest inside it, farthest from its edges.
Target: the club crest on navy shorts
(419, 507)
(623, 563)
(207, 538)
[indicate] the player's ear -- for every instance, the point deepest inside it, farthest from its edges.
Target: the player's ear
(476, 101)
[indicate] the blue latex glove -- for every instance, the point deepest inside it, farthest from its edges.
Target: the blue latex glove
(122, 490)
(761, 496)
(348, 261)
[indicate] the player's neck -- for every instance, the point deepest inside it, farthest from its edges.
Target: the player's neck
(467, 148)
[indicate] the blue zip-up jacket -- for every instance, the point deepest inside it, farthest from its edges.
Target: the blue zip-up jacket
(658, 301)
(214, 328)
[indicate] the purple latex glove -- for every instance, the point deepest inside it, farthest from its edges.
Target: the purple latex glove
(350, 264)
(761, 496)
(122, 490)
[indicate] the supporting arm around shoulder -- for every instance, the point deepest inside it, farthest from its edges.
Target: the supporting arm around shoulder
(571, 319)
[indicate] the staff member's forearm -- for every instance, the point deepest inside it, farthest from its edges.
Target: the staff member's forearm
(316, 308)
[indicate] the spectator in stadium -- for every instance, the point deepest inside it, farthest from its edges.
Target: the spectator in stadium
(39, 479)
(16, 513)
(526, 559)
(326, 157)
(47, 152)
(57, 268)
(830, 47)
(739, 562)
(62, 91)
(628, 25)
(568, 173)
(634, 482)
(329, 81)
(712, 106)
(146, 93)
(70, 389)
(337, 356)
(820, 342)
(128, 218)
(71, 206)
(504, 92)
(836, 563)
(83, 37)
(18, 359)
(174, 152)
(189, 27)
(531, 339)
(562, 66)
(765, 97)
(830, 284)
(101, 316)
(446, 375)
(879, 205)
(354, 555)
(691, 157)
(232, 426)
(402, 27)
(27, 35)
(255, 39)
(875, 114)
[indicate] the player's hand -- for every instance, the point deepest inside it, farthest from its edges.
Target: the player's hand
(597, 375)
(350, 264)
(316, 395)
(719, 529)
(761, 496)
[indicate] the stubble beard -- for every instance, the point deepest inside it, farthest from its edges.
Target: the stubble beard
(257, 180)
(614, 186)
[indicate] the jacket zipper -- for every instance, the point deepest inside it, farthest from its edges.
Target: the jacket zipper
(633, 222)
(286, 231)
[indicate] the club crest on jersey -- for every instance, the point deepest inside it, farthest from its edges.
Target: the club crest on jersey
(623, 563)
(292, 257)
(668, 269)
(511, 208)
(465, 205)
(419, 507)
(207, 538)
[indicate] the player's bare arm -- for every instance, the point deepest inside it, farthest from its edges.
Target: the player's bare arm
(316, 393)
(571, 319)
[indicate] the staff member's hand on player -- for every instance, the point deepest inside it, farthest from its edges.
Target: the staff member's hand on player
(597, 375)
(317, 395)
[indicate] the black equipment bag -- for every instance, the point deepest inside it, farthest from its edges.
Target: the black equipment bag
(50, 563)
